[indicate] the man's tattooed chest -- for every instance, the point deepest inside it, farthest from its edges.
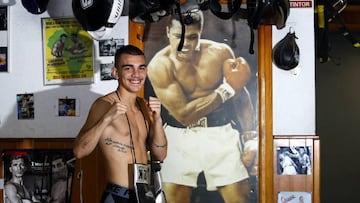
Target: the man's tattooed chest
(119, 146)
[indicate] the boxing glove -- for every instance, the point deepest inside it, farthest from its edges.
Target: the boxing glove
(236, 74)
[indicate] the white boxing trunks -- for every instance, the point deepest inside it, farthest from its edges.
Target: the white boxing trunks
(212, 150)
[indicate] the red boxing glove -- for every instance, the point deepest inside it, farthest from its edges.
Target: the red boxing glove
(236, 73)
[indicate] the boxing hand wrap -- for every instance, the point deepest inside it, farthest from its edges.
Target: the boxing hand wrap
(225, 91)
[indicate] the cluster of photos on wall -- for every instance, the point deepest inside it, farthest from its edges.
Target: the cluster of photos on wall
(68, 59)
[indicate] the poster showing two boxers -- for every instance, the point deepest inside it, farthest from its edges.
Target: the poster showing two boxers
(38, 175)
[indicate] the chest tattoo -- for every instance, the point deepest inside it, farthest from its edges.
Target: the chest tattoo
(121, 147)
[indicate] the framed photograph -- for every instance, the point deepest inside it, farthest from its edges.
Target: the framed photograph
(4, 42)
(67, 107)
(105, 71)
(25, 106)
(109, 47)
(294, 156)
(3, 59)
(294, 160)
(68, 52)
(3, 18)
(294, 197)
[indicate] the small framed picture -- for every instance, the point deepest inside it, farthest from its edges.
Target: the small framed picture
(105, 71)
(4, 44)
(67, 107)
(3, 59)
(109, 47)
(3, 18)
(294, 157)
(25, 106)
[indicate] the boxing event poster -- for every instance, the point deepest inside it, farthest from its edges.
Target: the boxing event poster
(46, 174)
(235, 33)
(68, 52)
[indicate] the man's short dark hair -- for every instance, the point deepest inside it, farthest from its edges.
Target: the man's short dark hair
(127, 49)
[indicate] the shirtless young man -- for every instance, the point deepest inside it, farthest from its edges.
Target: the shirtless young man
(123, 126)
(196, 85)
(15, 190)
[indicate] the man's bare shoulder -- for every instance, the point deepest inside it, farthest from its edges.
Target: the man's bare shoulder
(161, 58)
(103, 103)
(215, 47)
(9, 184)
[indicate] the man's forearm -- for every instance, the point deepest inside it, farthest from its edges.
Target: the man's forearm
(87, 140)
(158, 141)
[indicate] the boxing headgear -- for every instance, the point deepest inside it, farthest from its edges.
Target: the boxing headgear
(286, 52)
(98, 17)
(224, 10)
(35, 6)
(149, 10)
(266, 12)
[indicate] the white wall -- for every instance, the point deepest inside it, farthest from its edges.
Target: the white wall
(293, 95)
(26, 76)
(294, 91)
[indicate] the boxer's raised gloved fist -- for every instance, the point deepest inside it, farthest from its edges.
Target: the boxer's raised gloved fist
(236, 74)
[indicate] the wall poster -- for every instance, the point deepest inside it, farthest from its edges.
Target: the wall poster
(212, 136)
(68, 52)
(38, 175)
(294, 160)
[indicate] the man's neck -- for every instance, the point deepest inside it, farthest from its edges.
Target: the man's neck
(17, 180)
(126, 98)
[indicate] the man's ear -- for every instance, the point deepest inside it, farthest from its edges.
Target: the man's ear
(114, 73)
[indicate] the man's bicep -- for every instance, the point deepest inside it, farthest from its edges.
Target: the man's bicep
(96, 111)
(171, 95)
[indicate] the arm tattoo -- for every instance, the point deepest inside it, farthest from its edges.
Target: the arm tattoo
(121, 147)
(160, 146)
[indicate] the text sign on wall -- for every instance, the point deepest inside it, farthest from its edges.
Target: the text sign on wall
(300, 4)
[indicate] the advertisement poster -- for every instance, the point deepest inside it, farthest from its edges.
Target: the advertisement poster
(212, 136)
(38, 175)
(68, 52)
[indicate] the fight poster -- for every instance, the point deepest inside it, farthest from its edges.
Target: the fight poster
(68, 52)
(38, 175)
(212, 129)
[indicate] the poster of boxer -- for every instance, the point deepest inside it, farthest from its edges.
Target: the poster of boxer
(68, 52)
(208, 89)
(37, 175)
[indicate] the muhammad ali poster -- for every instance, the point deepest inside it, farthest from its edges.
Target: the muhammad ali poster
(36, 175)
(206, 79)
